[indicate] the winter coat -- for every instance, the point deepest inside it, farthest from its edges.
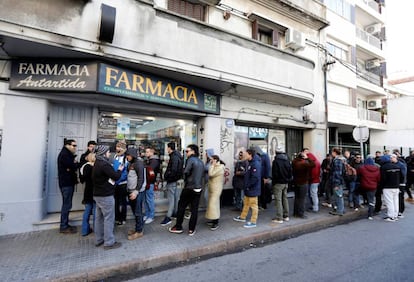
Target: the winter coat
(86, 171)
(104, 177)
(315, 175)
(174, 169)
(337, 172)
(391, 175)
(281, 169)
(301, 170)
(135, 179)
(154, 162)
(116, 162)
(239, 172)
(193, 173)
(370, 176)
(253, 177)
(215, 187)
(67, 168)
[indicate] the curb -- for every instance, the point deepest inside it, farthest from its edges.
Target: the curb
(137, 268)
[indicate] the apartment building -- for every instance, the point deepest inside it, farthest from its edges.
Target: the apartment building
(225, 75)
(356, 68)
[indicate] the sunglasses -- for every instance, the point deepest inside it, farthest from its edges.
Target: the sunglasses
(74, 145)
(187, 151)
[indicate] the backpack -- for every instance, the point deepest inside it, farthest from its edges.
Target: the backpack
(150, 176)
(350, 173)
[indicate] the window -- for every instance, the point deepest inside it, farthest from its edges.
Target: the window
(340, 7)
(195, 11)
(266, 34)
(338, 52)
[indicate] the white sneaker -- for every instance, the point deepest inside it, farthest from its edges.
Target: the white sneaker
(144, 218)
(149, 220)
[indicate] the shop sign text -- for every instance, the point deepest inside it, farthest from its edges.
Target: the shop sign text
(31, 75)
(121, 82)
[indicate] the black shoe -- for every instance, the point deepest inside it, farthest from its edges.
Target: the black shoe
(210, 223)
(99, 244)
(215, 226)
(68, 230)
(113, 246)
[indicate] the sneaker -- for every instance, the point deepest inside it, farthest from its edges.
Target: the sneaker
(120, 222)
(130, 232)
(249, 225)
(68, 230)
(175, 230)
(210, 223)
(400, 215)
(370, 218)
(144, 218)
(191, 232)
(389, 219)
(327, 205)
(135, 235)
(275, 220)
(286, 218)
(356, 209)
(149, 220)
(213, 227)
(113, 246)
(166, 221)
(187, 215)
(239, 219)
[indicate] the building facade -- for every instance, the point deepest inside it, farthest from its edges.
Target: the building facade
(225, 75)
(355, 70)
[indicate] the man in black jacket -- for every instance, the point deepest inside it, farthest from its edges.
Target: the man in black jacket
(104, 177)
(67, 167)
(172, 174)
(281, 176)
(391, 178)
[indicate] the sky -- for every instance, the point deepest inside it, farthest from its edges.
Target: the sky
(400, 41)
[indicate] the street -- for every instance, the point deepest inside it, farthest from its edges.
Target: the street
(360, 251)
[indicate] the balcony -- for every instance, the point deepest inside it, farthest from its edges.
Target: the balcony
(370, 39)
(373, 119)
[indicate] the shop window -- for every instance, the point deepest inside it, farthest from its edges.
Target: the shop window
(141, 131)
(185, 8)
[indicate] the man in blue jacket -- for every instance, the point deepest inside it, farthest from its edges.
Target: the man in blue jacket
(252, 186)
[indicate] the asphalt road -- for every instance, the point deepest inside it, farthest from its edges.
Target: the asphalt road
(360, 251)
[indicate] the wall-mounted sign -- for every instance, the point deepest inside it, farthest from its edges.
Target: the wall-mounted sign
(58, 76)
(53, 76)
(135, 85)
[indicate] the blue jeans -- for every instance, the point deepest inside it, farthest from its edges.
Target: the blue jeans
(173, 198)
(338, 195)
(136, 206)
(105, 220)
(371, 202)
(313, 196)
(149, 202)
(353, 197)
(89, 210)
(67, 195)
(238, 198)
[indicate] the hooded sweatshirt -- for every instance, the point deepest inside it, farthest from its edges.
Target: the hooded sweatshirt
(316, 170)
(369, 175)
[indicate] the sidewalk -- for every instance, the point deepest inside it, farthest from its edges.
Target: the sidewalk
(49, 255)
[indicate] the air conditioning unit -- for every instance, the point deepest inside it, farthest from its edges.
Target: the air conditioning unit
(372, 64)
(373, 29)
(294, 39)
(374, 104)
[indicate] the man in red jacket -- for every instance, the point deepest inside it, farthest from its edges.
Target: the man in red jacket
(301, 169)
(370, 177)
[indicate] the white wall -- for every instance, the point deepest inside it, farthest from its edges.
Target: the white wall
(22, 162)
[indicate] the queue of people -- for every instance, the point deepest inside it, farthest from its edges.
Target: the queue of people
(112, 183)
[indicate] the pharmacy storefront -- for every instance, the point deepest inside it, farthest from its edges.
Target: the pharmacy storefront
(97, 101)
